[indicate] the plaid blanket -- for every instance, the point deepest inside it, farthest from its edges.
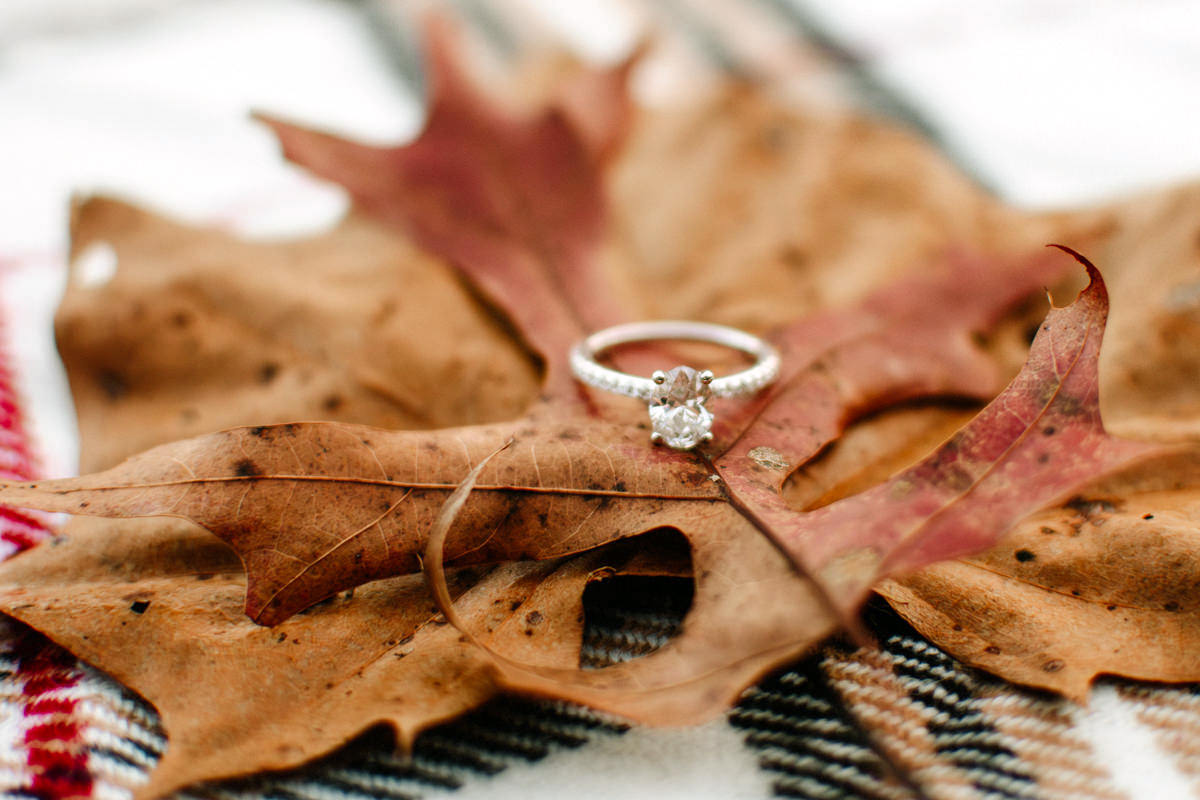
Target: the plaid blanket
(828, 727)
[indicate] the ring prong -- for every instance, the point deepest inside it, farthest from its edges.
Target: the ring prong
(656, 437)
(658, 377)
(708, 437)
(706, 376)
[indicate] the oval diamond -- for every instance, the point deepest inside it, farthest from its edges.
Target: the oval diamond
(677, 409)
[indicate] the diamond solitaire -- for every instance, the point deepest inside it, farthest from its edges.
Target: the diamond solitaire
(677, 408)
(677, 397)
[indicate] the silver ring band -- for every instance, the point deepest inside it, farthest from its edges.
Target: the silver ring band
(676, 397)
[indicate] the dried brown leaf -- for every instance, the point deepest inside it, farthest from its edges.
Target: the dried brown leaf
(1104, 585)
(199, 331)
(157, 604)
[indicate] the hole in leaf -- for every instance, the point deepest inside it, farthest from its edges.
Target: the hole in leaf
(630, 616)
(95, 265)
(641, 607)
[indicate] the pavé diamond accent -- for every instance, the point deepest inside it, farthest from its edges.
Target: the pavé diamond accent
(677, 409)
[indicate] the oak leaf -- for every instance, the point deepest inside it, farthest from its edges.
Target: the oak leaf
(316, 508)
(1104, 585)
(528, 236)
(1038, 440)
(199, 330)
(157, 605)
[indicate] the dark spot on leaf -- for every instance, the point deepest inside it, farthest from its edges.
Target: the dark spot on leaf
(258, 431)
(431, 446)
(268, 372)
(514, 605)
(991, 648)
(189, 415)
(204, 576)
(1025, 555)
(245, 468)
(570, 436)
(1111, 608)
(956, 478)
(957, 627)
(1070, 406)
(358, 557)
(1147, 516)
(774, 137)
(282, 637)
(333, 402)
(533, 617)
(619, 486)
(529, 631)
(543, 518)
(405, 640)
(84, 504)
(1048, 531)
(1075, 593)
(1053, 665)
(793, 257)
(113, 384)
(1049, 430)
(1043, 458)
(1171, 606)
(139, 606)
(1087, 506)
(181, 319)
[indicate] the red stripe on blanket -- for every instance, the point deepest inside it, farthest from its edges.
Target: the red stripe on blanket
(16, 461)
(56, 755)
(20, 529)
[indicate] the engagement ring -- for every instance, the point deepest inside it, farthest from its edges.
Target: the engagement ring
(677, 396)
